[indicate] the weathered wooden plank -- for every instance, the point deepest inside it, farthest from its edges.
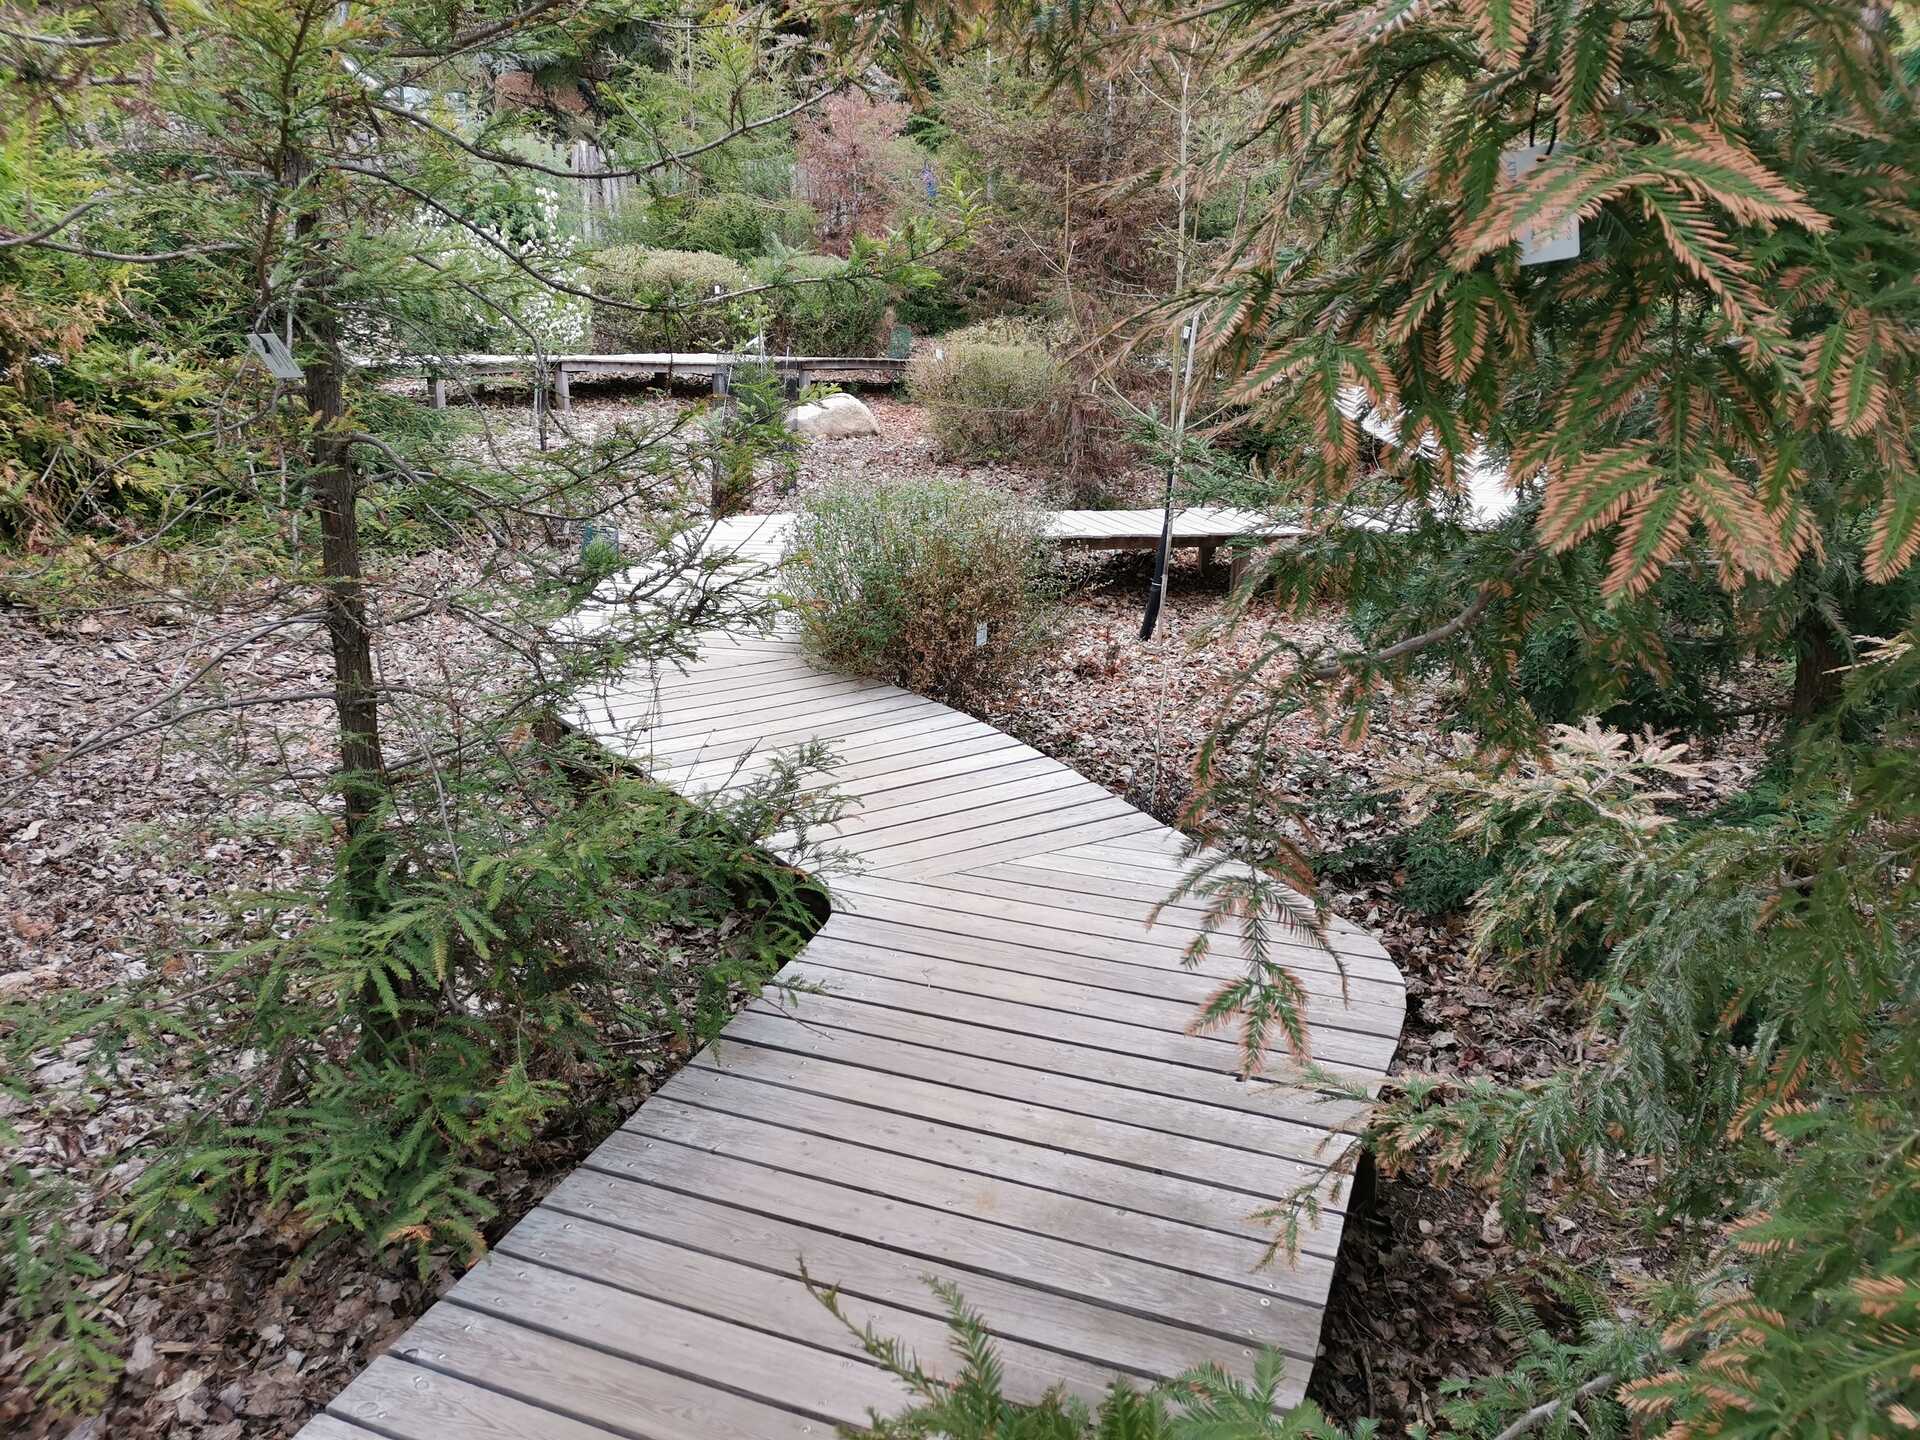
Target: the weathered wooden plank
(405, 1402)
(1114, 877)
(328, 1427)
(937, 904)
(1024, 844)
(862, 710)
(1209, 1053)
(943, 1168)
(781, 1242)
(1208, 1128)
(1007, 948)
(986, 804)
(1259, 1113)
(772, 1300)
(911, 737)
(890, 764)
(561, 1378)
(1056, 816)
(746, 1359)
(961, 1233)
(968, 777)
(713, 746)
(1356, 1049)
(787, 686)
(1183, 1179)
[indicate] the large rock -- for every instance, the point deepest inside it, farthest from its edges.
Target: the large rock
(836, 417)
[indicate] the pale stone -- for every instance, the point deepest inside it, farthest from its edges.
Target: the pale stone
(834, 417)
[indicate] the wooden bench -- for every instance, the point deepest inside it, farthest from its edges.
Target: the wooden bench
(1205, 527)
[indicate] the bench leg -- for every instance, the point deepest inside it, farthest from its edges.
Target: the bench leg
(562, 389)
(439, 393)
(1206, 557)
(1237, 569)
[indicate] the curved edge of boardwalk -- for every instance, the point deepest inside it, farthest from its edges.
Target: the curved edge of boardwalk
(988, 1080)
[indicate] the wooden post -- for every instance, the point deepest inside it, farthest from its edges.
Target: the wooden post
(1237, 567)
(1207, 547)
(439, 392)
(562, 390)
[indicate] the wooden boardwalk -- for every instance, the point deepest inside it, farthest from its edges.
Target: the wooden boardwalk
(994, 1084)
(664, 367)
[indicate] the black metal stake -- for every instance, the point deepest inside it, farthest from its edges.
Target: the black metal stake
(1157, 590)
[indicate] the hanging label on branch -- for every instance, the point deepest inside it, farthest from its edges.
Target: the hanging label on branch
(271, 351)
(1539, 247)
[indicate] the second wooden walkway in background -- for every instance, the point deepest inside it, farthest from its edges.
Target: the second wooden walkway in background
(990, 1081)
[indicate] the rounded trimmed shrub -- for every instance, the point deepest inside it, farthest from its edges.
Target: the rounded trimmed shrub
(992, 392)
(676, 281)
(893, 582)
(842, 317)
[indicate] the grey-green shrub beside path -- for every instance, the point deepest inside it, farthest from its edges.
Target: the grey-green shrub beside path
(895, 583)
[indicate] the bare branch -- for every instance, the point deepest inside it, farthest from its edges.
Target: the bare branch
(1551, 1407)
(665, 162)
(1489, 591)
(56, 227)
(64, 42)
(120, 256)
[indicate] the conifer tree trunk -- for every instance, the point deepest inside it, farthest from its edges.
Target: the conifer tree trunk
(1816, 661)
(343, 596)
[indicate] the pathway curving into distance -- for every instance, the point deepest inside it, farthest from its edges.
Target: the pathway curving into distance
(995, 1085)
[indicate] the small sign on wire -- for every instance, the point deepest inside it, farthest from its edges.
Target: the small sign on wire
(1562, 242)
(271, 351)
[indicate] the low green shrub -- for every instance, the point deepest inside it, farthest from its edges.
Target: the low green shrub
(1564, 675)
(679, 283)
(1436, 873)
(841, 317)
(371, 1060)
(728, 223)
(932, 307)
(894, 582)
(992, 393)
(1442, 871)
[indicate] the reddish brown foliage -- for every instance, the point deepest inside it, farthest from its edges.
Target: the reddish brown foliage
(853, 166)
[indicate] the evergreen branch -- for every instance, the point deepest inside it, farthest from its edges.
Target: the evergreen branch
(479, 35)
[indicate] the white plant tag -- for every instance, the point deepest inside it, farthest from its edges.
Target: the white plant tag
(979, 634)
(1562, 242)
(271, 351)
